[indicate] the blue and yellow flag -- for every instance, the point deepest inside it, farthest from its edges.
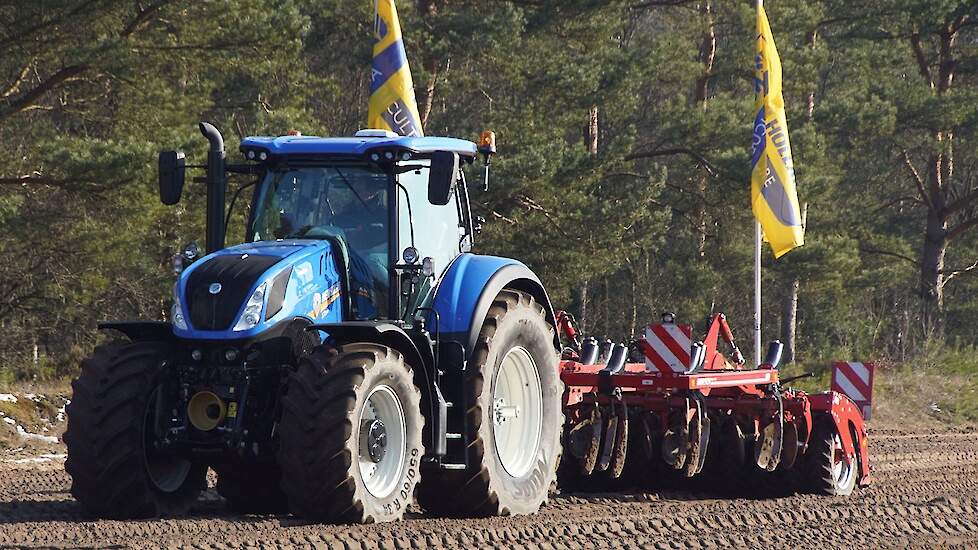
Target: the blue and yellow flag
(774, 197)
(392, 103)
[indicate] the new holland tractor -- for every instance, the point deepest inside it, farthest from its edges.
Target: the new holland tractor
(350, 351)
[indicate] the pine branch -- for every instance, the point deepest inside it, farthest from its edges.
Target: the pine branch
(29, 99)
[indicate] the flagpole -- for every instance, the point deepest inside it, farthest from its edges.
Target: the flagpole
(757, 275)
(757, 293)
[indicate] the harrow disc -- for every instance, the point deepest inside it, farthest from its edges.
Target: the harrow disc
(675, 440)
(789, 448)
(767, 453)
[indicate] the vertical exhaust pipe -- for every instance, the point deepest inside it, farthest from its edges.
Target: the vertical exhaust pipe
(216, 187)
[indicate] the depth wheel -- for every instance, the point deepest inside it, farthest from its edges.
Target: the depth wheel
(827, 471)
(350, 446)
(115, 472)
(514, 418)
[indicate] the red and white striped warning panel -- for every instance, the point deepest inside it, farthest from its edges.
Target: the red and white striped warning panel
(855, 380)
(668, 348)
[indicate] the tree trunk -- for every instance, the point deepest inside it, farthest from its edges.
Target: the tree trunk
(584, 297)
(708, 50)
(789, 307)
(592, 149)
(592, 131)
(789, 319)
(932, 266)
(633, 318)
(429, 8)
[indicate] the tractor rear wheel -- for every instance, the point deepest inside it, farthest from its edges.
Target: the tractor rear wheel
(514, 418)
(115, 472)
(826, 469)
(350, 435)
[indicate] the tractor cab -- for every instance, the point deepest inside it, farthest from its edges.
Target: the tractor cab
(394, 209)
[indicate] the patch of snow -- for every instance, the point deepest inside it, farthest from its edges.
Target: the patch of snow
(37, 437)
(8, 397)
(9, 420)
(33, 397)
(61, 411)
(37, 459)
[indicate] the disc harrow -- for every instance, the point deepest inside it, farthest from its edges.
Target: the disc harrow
(668, 403)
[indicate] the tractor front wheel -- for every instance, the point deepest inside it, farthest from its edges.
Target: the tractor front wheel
(115, 470)
(350, 435)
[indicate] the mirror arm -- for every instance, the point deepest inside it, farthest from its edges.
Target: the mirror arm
(243, 168)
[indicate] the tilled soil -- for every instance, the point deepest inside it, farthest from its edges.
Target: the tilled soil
(924, 494)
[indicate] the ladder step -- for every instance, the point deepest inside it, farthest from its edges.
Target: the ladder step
(445, 466)
(451, 435)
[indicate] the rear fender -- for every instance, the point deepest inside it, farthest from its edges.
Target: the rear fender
(849, 423)
(469, 287)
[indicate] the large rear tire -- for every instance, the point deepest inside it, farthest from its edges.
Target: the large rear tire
(350, 436)
(114, 471)
(514, 418)
(826, 470)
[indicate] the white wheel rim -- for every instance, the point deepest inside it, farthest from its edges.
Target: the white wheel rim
(842, 471)
(517, 412)
(167, 473)
(381, 466)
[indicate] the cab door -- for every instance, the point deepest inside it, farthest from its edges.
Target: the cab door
(439, 232)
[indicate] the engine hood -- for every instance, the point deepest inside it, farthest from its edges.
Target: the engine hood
(301, 278)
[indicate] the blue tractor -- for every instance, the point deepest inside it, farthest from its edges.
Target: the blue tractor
(351, 357)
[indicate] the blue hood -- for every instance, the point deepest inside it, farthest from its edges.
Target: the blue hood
(300, 279)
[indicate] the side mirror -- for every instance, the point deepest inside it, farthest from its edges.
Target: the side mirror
(441, 177)
(172, 166)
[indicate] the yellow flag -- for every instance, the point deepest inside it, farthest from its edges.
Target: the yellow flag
(774, 197)
(392, 103)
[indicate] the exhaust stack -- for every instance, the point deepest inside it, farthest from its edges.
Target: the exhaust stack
(216, 187)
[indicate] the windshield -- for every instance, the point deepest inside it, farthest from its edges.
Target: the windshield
(345, 203)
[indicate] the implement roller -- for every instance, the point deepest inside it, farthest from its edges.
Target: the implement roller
(688, 406)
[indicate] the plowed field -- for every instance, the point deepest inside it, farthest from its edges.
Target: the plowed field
(925, 494)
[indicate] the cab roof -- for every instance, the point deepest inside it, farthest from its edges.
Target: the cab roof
(360, 145)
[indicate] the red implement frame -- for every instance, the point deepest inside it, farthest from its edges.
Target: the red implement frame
(722, 388)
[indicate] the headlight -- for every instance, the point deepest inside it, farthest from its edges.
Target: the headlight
(252, 311)
(176, 312)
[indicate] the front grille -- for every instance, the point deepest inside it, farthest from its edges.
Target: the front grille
(236, 274)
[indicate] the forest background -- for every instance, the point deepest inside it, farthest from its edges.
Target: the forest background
(622, 177)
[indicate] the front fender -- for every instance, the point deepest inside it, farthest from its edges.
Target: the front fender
(141, 330)
(466, 292)
(379, 332)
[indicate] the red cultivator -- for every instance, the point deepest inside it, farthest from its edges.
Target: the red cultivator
(687, 407)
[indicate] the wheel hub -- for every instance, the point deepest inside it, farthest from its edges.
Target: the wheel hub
(502, 412)
(376, 435)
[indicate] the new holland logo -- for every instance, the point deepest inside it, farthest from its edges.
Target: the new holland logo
(215, 288)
